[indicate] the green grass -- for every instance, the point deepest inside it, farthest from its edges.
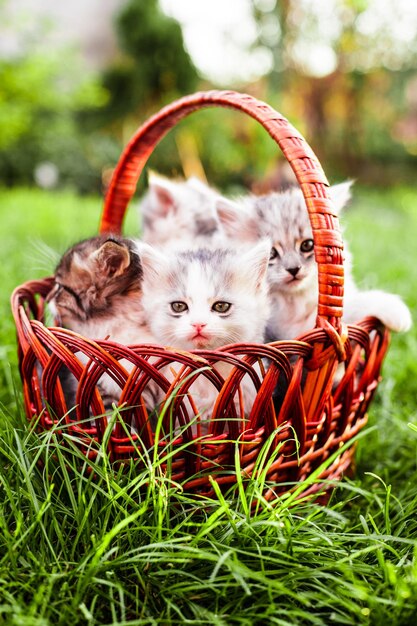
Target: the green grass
(133, 549)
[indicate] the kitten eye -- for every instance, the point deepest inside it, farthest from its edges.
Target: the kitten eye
(307, 245)
(274, 254)
(77, 296)
(179, 307)
(221, 307)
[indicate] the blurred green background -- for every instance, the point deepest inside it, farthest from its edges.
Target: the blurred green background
(76, 80)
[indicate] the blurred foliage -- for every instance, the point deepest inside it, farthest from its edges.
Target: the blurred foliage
(153, 65)
(60, 115)
(358, 108)
(344, 73)
(38, 123)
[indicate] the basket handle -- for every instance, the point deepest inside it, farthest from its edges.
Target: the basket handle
(328, 244)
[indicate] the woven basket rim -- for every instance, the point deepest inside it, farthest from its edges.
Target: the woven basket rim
(323, 418)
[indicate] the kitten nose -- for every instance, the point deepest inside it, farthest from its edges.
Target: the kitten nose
(293, 270)
(199, 327)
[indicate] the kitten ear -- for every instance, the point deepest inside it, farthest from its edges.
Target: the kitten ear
(154, 263)
(254, 263)
(341, 194)
(112, 259)
(162, 194)
(235, 219)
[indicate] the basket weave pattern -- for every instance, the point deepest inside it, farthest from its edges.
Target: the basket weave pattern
(314, 418)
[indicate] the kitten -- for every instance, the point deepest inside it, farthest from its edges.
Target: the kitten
(97, 293)
(204, 299)
(179, 214)
(293, 272)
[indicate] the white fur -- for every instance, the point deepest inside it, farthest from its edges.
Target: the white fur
(200, 279)
(200, 285)
(179, 214)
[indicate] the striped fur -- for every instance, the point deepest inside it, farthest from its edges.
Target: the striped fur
(292, 273)
(97, 293)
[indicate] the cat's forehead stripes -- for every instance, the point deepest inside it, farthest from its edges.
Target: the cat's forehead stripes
(195, 268)
(205, 256)
(284, 215)
(205, 225)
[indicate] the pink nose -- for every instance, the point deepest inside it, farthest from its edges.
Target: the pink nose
(199, 327)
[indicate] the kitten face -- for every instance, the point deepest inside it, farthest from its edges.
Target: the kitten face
(91, 278)
(178, 213)
(292, 266)
(206, 298)
(283, 217)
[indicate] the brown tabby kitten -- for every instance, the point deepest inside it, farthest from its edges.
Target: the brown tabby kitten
(97, 293)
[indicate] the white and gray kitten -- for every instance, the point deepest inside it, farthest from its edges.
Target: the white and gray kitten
(179, 214)
(293, 271)
(97, 293)
(204, 299)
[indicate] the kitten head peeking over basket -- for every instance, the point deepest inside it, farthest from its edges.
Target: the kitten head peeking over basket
(97, 290)
(206, 298)
(282, 217)
(179, 214)
(293, 271)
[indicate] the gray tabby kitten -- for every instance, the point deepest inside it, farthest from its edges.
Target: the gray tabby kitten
(97, 293)
(204, 299)
(179, 214)
(292, 272)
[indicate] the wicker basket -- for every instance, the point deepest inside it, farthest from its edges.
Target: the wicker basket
(316, 416)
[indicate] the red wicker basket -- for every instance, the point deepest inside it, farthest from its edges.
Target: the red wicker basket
(316, 417)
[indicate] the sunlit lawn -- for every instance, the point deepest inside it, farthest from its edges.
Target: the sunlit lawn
(79, 551)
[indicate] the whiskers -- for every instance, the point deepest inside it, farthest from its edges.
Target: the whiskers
(226, 336)
(42, 257)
